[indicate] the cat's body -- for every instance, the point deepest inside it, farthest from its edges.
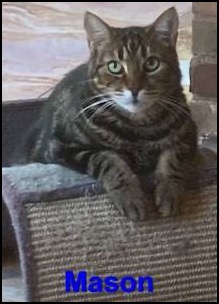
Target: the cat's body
(123, 115)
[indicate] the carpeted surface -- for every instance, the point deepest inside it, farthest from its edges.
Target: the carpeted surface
(76, 229)
(77, 234)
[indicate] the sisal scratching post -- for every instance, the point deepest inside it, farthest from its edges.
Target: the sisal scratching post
(65, 221)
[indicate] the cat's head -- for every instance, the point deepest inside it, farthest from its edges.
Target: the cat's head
(135, 65)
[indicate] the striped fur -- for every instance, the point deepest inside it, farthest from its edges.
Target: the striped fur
(119, 128)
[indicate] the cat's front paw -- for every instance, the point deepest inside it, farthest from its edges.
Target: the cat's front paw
(135, 210)
(132, 206)
(168, 198)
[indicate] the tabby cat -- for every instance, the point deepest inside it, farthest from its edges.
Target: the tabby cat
(123, 115)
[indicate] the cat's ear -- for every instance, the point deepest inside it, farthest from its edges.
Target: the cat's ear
(98, 31)
(167, 25)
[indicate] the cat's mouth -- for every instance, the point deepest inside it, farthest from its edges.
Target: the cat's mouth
(127, 101)
(130, 106)
(133, 107)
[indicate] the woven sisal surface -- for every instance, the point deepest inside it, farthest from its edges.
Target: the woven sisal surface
(87, 233)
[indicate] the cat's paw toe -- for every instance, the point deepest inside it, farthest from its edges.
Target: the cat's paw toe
(164, 208)
(136, 210)
(167, 205)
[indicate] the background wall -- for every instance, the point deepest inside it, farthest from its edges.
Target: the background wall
(203, 71)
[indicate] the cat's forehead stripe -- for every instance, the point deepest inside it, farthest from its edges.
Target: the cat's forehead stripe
(129, 45)
(125, 53)
(133, 44)
(148, 51)
(129, 51)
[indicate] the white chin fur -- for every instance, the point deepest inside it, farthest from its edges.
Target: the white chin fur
(125, 100)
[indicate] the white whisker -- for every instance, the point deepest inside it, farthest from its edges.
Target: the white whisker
(177, 107)
(88, 107)
(99, 110)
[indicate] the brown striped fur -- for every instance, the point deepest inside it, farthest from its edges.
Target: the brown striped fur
(120, 128)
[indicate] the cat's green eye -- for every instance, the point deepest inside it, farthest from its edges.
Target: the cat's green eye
(115, 67)
(152, 64)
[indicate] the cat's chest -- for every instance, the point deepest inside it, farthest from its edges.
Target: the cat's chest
(144, 156)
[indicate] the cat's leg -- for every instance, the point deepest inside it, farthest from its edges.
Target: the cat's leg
(169, 183)
(120, 182)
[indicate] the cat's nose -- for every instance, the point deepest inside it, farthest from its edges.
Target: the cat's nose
(135, 95)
